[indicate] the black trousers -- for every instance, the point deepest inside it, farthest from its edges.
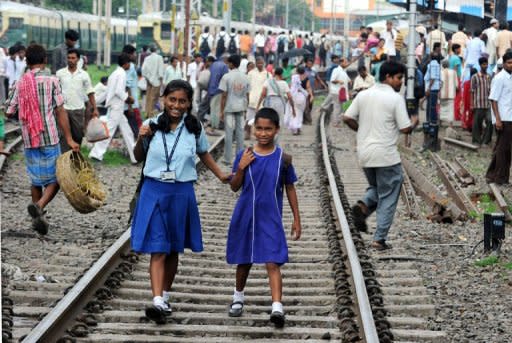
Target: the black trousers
(499, 169)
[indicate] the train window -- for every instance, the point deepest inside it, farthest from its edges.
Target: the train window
(15, 23)
(146, 32)
(165, 31)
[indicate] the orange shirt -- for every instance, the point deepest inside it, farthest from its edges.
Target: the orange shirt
(245, 43)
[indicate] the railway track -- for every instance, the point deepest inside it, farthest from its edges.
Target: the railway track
(334, 288)
(12, 140)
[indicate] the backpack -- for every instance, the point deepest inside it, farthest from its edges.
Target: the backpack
(424, 64)
(221, 47)
(322, 50)
(280, 45)
(205, 47)
(232, 45)
(419, 84)
(291, 44)
(310, 46)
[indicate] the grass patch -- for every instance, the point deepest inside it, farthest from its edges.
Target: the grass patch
(318, 100)
(508, 266)
(488, 261)
(96, 74)
(18, 156)
(112, 158)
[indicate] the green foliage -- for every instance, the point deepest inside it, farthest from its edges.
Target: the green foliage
(508, 266)
(488, 261)
(112, 158)
(95, 73)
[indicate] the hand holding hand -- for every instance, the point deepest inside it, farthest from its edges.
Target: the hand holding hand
(225, 178)
(247, 158)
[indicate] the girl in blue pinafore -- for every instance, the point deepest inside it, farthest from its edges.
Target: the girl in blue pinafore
(256, 233)
(166, 219)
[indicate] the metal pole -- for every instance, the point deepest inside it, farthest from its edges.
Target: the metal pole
(98, 33)
(331, 25)
(215, 8)
(108, 35)
(411, 59)
(226, 14)
(173, 27)
(286, 14)
(313, 16)
(253, 17)
(346, 27)
(127, 23)
(186, 40)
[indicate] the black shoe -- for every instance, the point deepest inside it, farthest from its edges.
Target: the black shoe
(34, 210)
(156, 314)
(277, 318)
(359, 218)
(380, 245)
(236, 312)
(40, 224)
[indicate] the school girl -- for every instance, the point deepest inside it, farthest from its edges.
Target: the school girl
(256, 233)
(166, 218)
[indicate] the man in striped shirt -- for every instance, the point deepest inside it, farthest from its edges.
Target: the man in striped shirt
(38, 101)
(480, 88)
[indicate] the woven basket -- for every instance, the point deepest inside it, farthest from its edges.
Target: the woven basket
(84, 198)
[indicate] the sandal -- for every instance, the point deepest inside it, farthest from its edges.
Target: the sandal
(277, 318)
(236, 312)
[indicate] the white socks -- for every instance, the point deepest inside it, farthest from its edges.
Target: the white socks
(159, 302)
(237, 296)
(277, 307)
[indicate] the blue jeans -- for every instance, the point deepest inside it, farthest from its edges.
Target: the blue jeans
(382, 196)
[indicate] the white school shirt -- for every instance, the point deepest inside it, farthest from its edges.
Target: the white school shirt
(259, 40)
(153, 69)
(116, 89)
(389, 44)
(501, 88)
(100, 93)
(75, 87)
(381, 114)
(192, 74)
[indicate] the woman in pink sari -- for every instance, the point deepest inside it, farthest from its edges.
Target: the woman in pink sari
(300, 96)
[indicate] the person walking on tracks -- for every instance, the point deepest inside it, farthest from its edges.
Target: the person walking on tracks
(153, 71)
(501, 102)
(256, 233)
(166, 218)
(76, 85)
(38, 101)
(378, 115)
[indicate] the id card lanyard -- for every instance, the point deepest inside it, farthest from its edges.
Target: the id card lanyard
(168, 157)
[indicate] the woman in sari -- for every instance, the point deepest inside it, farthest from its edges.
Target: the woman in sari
(300, 98)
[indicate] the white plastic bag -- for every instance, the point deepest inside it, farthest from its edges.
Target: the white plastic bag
(97, 130)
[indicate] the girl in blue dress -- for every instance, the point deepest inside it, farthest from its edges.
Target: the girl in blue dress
(256, 233)
(166, 218)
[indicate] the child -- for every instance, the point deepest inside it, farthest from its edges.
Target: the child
(256, 233)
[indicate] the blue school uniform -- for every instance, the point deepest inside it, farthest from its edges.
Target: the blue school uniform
(166, 218)
(256, 233)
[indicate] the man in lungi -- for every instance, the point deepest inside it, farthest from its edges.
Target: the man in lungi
(38, 101)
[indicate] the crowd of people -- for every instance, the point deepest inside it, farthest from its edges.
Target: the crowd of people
(165, 107)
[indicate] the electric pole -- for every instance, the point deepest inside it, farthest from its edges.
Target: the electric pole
(127, 21)
(286, 14)
(99, 36)
(186, 40)
(411, 58)
(108, 36)
(253, 19)
(226, 14)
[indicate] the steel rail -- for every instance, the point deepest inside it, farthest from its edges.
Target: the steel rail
(54, 325)
(370, 331)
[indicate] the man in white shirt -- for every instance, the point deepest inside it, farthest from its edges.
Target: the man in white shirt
(491, 34)
(389, 35)
(501, 103)
(221, 42)
(192, 74)
(206, 43)
(15, 64)
(117, 96)
(475, 49)
(363, 80)
(100, 95)
(3, 77)
(259, 42)
(339, 79)
(76, 86)
(153, 71)
(378, 115)
(436, 36)
(257, 78)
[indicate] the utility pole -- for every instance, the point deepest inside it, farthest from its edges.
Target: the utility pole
(346, 27)
(313, 15)
(411, 58)
(286, 14)
(98, 32)
(253, 18)
(126, 41)
(215, 6)
(173, 26)
(186, 40)
(226, 14)
(331, 24)
(108, 36)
